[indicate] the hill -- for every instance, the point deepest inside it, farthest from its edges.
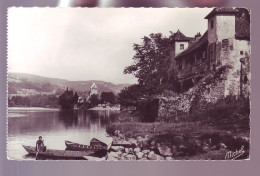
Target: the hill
(28, 84)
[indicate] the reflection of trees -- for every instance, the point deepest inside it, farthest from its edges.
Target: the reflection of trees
(86, 119)
(68, 117)
(48, 121)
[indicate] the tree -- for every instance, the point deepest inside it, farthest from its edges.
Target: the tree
(93, 99)
(129, 95)
(67, 100)
(151, 62)
(107, 97)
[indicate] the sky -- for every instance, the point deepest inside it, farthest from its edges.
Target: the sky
(80, 44)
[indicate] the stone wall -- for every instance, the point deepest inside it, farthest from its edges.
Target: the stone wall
(175, 107)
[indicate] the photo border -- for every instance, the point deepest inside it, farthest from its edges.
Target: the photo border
(64, 168)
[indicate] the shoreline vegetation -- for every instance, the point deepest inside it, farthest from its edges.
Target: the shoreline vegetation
(197, 140)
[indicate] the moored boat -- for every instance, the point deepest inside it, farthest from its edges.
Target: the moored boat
(81, 147)
(58, 154)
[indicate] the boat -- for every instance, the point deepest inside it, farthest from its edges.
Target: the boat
(58, 154)
(97, 143)
(81, 147)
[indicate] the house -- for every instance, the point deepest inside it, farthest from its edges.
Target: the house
(226, 42)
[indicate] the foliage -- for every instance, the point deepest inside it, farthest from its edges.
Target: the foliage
(151, 62)
(94, 100)
(107, 97)
(129, 95)
(33, 101)
(67, 100)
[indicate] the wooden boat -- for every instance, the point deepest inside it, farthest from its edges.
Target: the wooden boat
(58, 154)
(81, 147)
(97, 143)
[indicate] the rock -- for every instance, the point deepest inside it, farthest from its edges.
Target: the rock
(129, 150)
(136, 150)
(145, 144)
(139, 155)
(117, 148)
(146, 151)
(113, 154)
(111, 158)
(182, 148)
(123, 155)
(205, 148)
(139, 138)
(132, 141)
(130, 157)
(168, 158)
(152, 152)
(145, 155)
(153, 144)
(174, 149)
(165, 151)
(222, 146)
(153, 156)
(144, 159)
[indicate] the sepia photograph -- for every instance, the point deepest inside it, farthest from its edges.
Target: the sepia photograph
(115, 84)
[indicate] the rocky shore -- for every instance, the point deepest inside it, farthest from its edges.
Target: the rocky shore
(183, 148)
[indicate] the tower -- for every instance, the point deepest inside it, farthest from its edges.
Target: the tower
(93, 89)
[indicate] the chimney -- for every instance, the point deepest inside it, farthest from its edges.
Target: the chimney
(197, 36)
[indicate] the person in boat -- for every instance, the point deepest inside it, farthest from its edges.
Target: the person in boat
(40, 145)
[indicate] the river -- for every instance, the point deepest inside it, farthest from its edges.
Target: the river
(25, 125)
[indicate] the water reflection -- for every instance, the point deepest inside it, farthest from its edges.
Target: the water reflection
(55, 126)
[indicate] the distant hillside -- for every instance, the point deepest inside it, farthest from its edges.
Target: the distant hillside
(28, 84)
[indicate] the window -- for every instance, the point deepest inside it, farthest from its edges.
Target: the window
(212, 24)
(241, 52)
(181, 46)
(225, 43)
(180, 66)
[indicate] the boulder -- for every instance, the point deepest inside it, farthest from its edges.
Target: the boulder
(153, 144)
(123, 154)
(205, 148)
(153, 156)
(139, 138)
(132, 141)
(113, 154)
(136, 150)
(143, 159)
(168, 158)
(222, 146)
(129, 150)
(146, 151)
(111, 158)
(139, 155)
(145, 155)
(165, 151)
(130, 157)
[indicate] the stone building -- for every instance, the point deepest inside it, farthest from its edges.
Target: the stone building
(225, 43)
(93, 90)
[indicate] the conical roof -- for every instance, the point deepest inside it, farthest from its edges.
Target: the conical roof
(179, 36)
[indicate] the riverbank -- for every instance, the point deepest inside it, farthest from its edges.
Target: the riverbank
(106, 109)
(176, 141)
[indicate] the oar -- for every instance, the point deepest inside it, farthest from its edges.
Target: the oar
(37, 155)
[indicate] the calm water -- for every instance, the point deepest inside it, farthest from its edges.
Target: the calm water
(25, 125)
